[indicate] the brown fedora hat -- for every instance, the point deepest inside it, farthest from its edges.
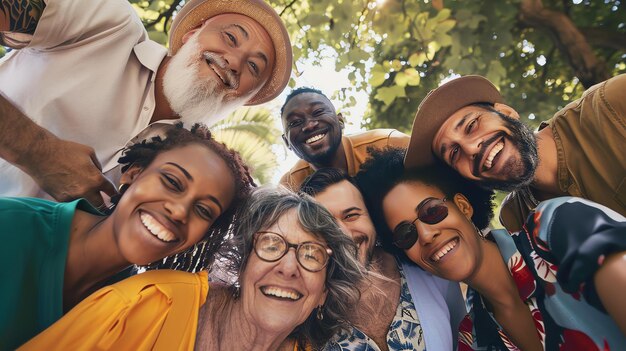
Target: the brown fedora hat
(195, 12)
(437, 107)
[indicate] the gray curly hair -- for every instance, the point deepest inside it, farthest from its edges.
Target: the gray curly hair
(343, 272)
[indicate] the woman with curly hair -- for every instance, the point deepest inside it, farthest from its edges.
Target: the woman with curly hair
(175, 192)
(297, 284)
(555, 285)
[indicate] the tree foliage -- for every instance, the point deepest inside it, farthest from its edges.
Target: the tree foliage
(541, 54)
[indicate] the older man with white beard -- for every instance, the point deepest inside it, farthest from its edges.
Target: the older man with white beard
(84, 78)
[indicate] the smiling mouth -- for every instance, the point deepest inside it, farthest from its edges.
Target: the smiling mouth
(494, 152)
(315, 138)
(444, 250)
(281, 293)
(219, 67)
(156, 229)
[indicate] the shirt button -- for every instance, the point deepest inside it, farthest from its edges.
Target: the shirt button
(146, 108)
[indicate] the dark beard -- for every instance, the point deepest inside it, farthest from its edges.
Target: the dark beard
(523, 138)
(323, 160)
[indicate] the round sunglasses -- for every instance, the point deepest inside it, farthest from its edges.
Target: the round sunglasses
(271, 247)
(430, 211)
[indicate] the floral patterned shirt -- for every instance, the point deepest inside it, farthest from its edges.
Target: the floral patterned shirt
(405, 331)
(552, 261)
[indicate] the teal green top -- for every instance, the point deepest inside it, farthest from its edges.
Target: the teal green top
(35, 238)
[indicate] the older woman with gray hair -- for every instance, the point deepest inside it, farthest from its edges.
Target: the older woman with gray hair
(284, 298)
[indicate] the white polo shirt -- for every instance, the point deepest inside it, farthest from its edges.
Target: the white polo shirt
(87, 75)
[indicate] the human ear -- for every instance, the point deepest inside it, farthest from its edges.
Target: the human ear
(506, 109)
(342, 120)
(464, 205)
(189, 34)
(286, 142)
(130, 175)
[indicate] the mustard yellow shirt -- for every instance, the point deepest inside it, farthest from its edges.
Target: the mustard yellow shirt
(355, 147)
(156, 310)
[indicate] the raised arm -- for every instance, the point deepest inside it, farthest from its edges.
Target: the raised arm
(588, 243)
(64, 169)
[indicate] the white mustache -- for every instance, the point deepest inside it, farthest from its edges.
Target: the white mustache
(231, 79)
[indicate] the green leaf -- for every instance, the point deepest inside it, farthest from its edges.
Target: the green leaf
(377, 75)
(443, 14)
(413, 76)
(445, 26)
(417, 59)
(388, 94)
(401, 79)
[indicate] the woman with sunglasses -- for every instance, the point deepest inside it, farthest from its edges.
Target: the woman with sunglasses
(297, 277)
(547, 287)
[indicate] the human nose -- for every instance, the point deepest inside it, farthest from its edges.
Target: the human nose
(472, 146)
(344, 228)
(310, 124)
(233, 61)
(177, 210)
(288, 264)
(426, 233)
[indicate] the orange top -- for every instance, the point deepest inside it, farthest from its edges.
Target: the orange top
(156, 310)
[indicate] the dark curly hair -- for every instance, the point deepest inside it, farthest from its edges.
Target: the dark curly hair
(201, 255)
(384, 169)
(299, 91)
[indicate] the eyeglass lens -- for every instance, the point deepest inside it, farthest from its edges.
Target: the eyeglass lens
(431, 211)
(271, 247)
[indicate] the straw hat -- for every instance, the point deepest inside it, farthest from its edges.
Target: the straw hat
(195, 12)
(437, 107)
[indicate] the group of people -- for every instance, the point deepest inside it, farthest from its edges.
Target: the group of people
(127, 226)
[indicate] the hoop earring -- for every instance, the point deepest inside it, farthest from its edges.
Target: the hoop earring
(122, 188)
(320, 313)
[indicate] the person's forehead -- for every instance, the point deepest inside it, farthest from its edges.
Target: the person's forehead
(341, 196)
(289, 226)
(306, 100)
(451, 126)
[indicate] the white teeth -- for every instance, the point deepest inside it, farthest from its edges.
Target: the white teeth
(315, 138)
(496, 149)
(156, 229)
(278, 292)
(444, 250)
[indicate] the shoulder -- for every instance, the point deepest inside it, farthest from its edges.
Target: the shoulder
(34, 206)
(165, 280)
(514, 210)
(296, 175)
(379, 137)
(74, 23)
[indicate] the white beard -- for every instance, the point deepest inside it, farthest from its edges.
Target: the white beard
(192, 98)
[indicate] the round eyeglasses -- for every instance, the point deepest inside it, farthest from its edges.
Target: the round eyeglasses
(430, 211)
(271, 247)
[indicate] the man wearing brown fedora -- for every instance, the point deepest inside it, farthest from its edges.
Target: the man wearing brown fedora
(313, 130)
(578, 152)
(83, 78)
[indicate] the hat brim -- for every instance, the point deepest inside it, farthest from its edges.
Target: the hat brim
(437, 107)
(195, 12)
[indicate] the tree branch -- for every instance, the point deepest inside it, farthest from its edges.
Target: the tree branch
(571, 43)
(605, 38)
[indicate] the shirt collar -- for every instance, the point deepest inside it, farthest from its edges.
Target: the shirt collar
(150, 54)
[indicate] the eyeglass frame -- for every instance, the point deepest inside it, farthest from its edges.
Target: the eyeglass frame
(413, 227)
(288, 245)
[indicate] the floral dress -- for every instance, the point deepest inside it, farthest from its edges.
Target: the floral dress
(405, 331)
(552, 261)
